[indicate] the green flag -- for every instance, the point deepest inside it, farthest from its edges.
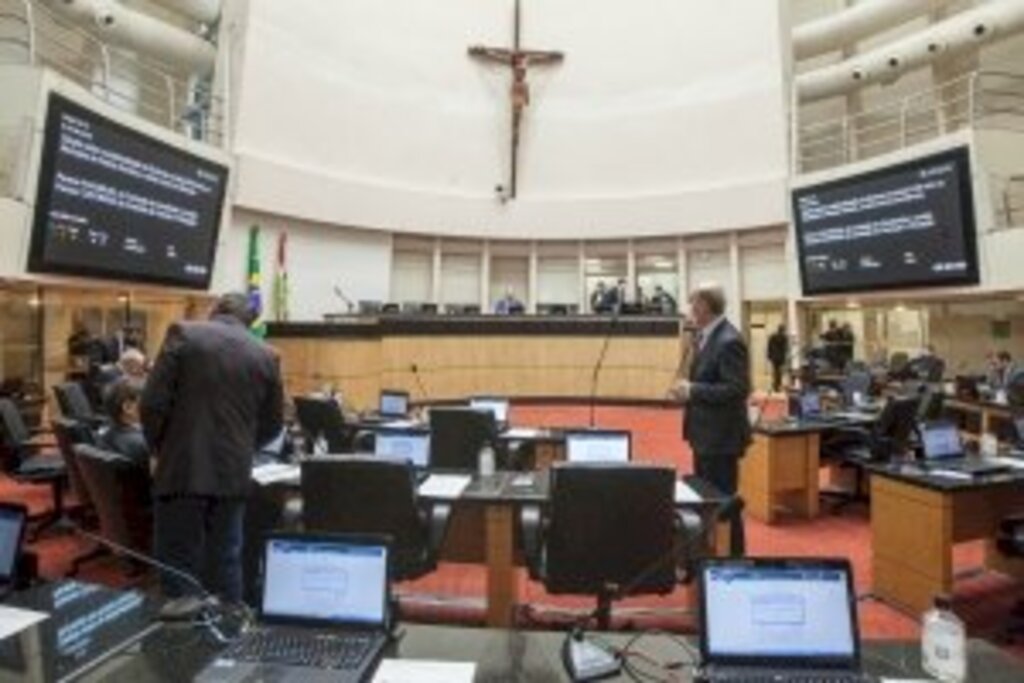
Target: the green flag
(259, 326)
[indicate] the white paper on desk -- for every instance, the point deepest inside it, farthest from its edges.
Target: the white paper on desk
(685, 494)
(423, 671)
(447, 486)
(400, 424)
(521, 433)
(14, 620)
(273, 473)
(1014, 463)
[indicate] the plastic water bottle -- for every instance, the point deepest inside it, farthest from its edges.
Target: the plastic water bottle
(485, 461)
(943, 642)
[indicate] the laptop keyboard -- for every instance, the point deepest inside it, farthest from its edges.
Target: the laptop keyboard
(322, 651)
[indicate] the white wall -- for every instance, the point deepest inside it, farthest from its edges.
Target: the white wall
(666, 117)
(320, 258)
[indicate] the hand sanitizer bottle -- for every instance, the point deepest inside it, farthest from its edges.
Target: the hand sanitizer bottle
(944, 642)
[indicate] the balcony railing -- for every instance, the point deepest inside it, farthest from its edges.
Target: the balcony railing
(31, 33)
(980, 99)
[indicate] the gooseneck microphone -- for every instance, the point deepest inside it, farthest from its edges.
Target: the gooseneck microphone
(203, 608)
(599, 364)
(415, 369)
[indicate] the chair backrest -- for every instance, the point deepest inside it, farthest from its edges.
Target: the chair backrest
(322, 417)
(70, 433)
(365, 495)
(121, 492)
(457, 435)
(897, 422)
(15, 433)
(610, 525)
(73, 401)
(933, 401)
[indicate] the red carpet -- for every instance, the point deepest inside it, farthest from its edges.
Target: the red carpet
(983, 601)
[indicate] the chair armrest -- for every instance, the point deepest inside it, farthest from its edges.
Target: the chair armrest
(531, 531)
(437, 527)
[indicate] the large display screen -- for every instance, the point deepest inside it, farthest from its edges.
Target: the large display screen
(908, 225)
(114, 203)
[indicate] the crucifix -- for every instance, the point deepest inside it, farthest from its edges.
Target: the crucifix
(519, 60)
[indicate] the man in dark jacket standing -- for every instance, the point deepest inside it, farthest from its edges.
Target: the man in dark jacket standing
(716, 422)
(778, 351)
(213, 397)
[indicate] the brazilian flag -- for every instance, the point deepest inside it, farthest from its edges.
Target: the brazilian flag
(259, 325)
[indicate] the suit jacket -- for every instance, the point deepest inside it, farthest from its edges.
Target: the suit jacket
(213, 398)
(778, 348)
(715, 418)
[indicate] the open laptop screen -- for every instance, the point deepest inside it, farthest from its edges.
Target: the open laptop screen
(783, 612)
(597, 446)
(941, 441)
(810, 403)
(12, 529)
(321, 580)
(394, 403)
(404, 444)
(498, 406)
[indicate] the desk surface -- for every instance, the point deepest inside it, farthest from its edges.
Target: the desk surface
(175, 653)
(787, 426)
(912, 474)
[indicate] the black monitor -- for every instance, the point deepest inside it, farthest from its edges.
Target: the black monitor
(967, 388)
(457, 435)
(321, 418)
(112, 202)
(907, 225)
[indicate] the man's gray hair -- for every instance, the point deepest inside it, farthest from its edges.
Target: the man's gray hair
(711, 294)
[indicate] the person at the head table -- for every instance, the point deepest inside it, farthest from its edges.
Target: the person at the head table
(509, 304)
(715, 392)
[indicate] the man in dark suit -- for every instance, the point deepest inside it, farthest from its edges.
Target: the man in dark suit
(214, 396)
(716, 422)
(778, 352)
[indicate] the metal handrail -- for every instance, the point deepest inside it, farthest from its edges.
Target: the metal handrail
(156, 93)
(986, 99)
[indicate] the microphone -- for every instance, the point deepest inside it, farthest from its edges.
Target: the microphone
(599, 365)
(203, 608)
(341, 295)
(419, 381)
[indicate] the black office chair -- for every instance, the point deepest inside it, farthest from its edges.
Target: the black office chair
(608, 530)
(932, 405)
(122, 492)
(75, 405)
(367, 495)
(27, 463)
(458, 434)
(321, 418)
(1010, 542)
(852, 447)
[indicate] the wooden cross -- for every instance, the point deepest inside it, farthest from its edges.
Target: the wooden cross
(519, 60)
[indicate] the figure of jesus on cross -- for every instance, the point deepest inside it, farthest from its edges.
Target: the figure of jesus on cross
(519, 60)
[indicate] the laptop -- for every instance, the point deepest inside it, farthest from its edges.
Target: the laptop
(393, 404)
(324, 613)
(1018, 432)
(497, 405)
(410, 445)
(598, 445)
(943, 449)
(784, 619)
(13, 520)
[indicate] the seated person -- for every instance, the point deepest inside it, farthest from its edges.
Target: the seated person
(1002, 371)
(662, 302)
(509, 304)
(928, 367)
(124, 435)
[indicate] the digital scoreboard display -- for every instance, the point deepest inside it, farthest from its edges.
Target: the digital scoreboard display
(114, 203)
(904, 226)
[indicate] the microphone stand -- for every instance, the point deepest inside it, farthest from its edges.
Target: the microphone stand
(419, 382)
(597, 367)
(206, 610)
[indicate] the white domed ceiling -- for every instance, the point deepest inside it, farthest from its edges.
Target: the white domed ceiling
(665, 116)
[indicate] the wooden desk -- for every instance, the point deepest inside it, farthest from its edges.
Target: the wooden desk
(459, 356)
(484, 529)
(917, 519)
(781, 467)
(981, 417)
